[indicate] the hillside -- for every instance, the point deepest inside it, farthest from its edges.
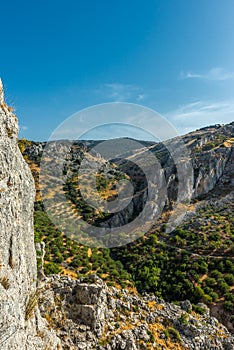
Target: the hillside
(80, 311)
(194, 261)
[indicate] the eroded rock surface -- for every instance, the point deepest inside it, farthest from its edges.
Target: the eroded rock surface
(20, 321)
(89, 315)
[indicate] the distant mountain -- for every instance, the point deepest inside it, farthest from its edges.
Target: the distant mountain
(57, 293)
(195, 260)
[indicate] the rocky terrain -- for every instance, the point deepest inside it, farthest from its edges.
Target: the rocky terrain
(191, 261)
(60, 312)
(87, 314)
(19, 324)
(192, 165)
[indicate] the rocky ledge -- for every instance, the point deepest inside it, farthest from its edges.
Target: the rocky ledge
(86, 314)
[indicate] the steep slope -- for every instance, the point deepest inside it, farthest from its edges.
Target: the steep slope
(20, 320)
(195, 260)
(173, 263)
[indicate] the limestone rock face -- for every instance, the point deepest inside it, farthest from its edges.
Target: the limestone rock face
(20, 321)
(77, 309)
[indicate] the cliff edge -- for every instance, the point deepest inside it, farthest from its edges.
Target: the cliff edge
(20, 321)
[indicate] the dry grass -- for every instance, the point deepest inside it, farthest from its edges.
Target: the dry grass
(31, 304)
(5, 282)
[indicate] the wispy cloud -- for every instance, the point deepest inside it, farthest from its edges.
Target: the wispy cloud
(216, 73)
(118, 92)
(194, 115)
(23, 128)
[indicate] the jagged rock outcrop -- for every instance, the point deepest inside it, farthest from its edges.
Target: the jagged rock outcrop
(20, 321)
(76, 309)
(89, 315)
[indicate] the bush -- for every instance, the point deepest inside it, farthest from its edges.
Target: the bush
(210, 281)
(229, 297)
(214, 296)
(31, 304)
(198, 293)
(183, 319)
(228, 305)
(229, 279)
(172, 333)
(216, 274)
(76, 263)
(223, 286)
(207, 299)
(51, 268)
(199, 309)
(85, 269)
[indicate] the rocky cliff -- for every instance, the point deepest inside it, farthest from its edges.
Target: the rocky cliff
(20, 321)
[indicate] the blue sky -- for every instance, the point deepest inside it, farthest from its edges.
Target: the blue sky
(174, 56)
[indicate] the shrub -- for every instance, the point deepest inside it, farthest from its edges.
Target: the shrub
(228, 305)
(214, 296)
(183, 319)
(207, 299)
(216, 274)
(198, 293)
(223, 286)
(229, 279)
(229, 297)
(51, 268)
(199, 309)
(210, 282)
(172, 333)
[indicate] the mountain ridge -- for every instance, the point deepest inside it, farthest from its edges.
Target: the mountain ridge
(211, 153)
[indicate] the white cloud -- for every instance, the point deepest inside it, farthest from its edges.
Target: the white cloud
(197, 114)
(23, 128)
(118, 92)
(216, 73)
